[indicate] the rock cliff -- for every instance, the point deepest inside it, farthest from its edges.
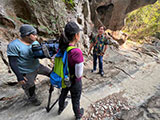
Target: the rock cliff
(49, 17)
(111, 13)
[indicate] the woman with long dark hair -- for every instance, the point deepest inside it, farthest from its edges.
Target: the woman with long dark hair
(70, 37)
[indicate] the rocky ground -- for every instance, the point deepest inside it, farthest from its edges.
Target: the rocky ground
(128, 91)
(129, 88)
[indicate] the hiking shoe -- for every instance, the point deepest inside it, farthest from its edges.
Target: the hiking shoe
(61, 110)
(35, 102)
(102, 74)
(81, 114)
(93, 71)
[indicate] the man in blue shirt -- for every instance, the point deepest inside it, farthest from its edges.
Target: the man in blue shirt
(22, 62)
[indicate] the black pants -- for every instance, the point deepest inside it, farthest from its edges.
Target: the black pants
(75, 90)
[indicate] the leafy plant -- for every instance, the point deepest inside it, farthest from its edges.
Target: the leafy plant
(69, 3)
(34, 1)
(23, 20)
(143, 22)
(50, 32)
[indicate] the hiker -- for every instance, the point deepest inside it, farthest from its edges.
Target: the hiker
(70, 37)
(23, 64)
(99, 42)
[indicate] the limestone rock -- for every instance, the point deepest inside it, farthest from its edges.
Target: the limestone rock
(111, 13)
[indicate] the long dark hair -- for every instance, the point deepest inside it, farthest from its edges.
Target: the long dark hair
(64, 40)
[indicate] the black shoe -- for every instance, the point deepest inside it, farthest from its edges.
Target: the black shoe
(93, 71)
(61, 110)
(102, 74)
(35, 101)
(81, 114)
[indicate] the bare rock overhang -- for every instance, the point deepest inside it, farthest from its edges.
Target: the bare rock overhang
(111, 13)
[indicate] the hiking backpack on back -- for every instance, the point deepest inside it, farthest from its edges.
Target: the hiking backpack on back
(60, 75)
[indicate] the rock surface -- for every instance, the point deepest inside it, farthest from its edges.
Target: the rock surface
(49, 17)
(131, 73)
(128, 90)
(111, 13)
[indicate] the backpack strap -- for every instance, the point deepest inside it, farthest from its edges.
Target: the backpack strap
(65, 59)
(70, 48)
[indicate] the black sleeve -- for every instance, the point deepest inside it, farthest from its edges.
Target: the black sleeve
(14, 67)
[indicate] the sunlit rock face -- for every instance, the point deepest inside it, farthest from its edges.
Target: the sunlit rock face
(111, 13)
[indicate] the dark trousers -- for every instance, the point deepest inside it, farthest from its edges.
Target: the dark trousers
(75, 91)
(29, 86)
(100, 58)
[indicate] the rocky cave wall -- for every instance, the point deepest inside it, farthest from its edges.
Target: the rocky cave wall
(49, 17)
(111, 13)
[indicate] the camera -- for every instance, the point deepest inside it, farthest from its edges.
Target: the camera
(45, 49)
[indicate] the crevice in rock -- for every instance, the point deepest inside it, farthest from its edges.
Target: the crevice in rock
(90, 0)
(79, 20)
(105, 8)
(23, 11)
(4, 60)
(12, 83)
(85, 10)
(6, 22)
(105, 13)
(7, 98)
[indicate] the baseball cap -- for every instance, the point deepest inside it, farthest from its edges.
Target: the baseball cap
(72, 28)
(26, 30)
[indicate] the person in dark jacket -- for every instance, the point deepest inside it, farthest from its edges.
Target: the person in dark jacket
(22, 62)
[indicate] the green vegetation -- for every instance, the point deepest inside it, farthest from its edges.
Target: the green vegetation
(144, 22)
(48, 30)
(34, 1)
(69, 3)
(23, 20)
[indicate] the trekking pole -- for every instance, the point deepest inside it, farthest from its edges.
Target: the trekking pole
(49, 98)
(53, 105)
(48, 108)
